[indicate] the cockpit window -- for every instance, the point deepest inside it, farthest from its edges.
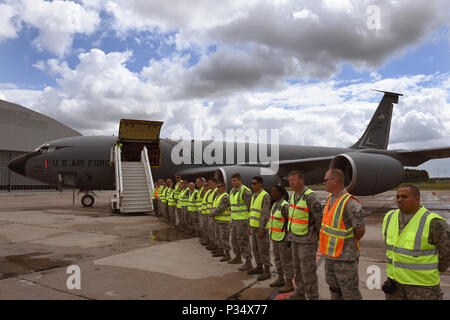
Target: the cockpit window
(45, 148)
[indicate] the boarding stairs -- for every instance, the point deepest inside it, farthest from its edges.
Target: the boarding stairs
(134, 184)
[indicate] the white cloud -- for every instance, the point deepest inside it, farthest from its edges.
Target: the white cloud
(8, 29)
(315, 36)
(57, 22)
(93, 96)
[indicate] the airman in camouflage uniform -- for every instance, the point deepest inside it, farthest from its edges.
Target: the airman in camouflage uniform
(281, 246)
(439, 236)
(223, 227)
(239, 227)
(341, 273)
(259, 235)
(214, 243)
(304, 247)
(197, 221)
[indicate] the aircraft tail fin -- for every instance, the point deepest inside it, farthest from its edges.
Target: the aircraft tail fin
(377, 132)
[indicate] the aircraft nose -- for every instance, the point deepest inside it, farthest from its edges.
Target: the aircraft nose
(18, 165)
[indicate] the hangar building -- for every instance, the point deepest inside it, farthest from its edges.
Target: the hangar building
(22, 130)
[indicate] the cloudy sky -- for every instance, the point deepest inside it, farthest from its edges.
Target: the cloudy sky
(303, 67)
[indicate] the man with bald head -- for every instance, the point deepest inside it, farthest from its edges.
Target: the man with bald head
(417, 249)
(342, 228)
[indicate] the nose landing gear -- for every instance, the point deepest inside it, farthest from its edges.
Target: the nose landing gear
(88, 199)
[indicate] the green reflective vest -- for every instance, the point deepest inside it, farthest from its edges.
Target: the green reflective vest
(212, 195)
(170, 199)
(411, 259)
(177, 191)
(199, 199)
(256, 209)
(276, 222)
(192, 201)
(205, 202)
(239, 210)
(163, 194)
(224, 216)
(299, 215)
(183, 198)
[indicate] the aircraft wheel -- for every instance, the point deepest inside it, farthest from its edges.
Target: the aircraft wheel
(87, 200)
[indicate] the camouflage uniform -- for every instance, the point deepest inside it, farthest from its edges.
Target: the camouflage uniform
(199, 216)
(222, 227)
(172, 214)
(240, 240)
(261, 247)
(304, 249)
(282, 249)
(212, 225)
(440, 237)
(341, 273)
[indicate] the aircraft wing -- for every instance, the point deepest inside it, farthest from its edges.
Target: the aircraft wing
(305, 165)
(416, 157)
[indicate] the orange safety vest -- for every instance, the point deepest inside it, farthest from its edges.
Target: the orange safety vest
(333, 232)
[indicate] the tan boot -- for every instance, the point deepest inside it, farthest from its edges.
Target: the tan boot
(247, 265)
(236, 260)
(265, 275)
(257, 270)
(278, 283)
(288, 287)
(226, 257)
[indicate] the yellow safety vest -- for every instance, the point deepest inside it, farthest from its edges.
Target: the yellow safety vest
(165, 194)
(239, 210)
(205, 202)
(171, 201)
(199, 199)
(211, 198)
(183, 198)
(177, 191)
(224, 216)
(411, 259)
(299, 215)
(256, 209)
(192, 201)
(276, 222)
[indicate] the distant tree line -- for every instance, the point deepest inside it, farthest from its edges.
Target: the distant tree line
(413, 175)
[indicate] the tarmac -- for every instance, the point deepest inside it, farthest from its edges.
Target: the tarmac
(139, 256)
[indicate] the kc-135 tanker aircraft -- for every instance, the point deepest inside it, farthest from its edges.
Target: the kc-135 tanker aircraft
(99, 163)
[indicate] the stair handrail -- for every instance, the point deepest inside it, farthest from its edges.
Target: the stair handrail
(148, 171)
(118, 169)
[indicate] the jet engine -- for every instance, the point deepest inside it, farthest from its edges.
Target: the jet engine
(368, 173)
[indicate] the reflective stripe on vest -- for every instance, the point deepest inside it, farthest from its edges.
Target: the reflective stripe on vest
(205, 202)
(210, 201)
(192, 201)
(157, 190)
(299, 215)
(171, 201)
(256, 209)
(161, 193)
(199, 199)
(239, 210)
(224, 216)
(176, 195)
(276, 222)
(165, 194)
(411, 259)
(183, 198)
(333, 232)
